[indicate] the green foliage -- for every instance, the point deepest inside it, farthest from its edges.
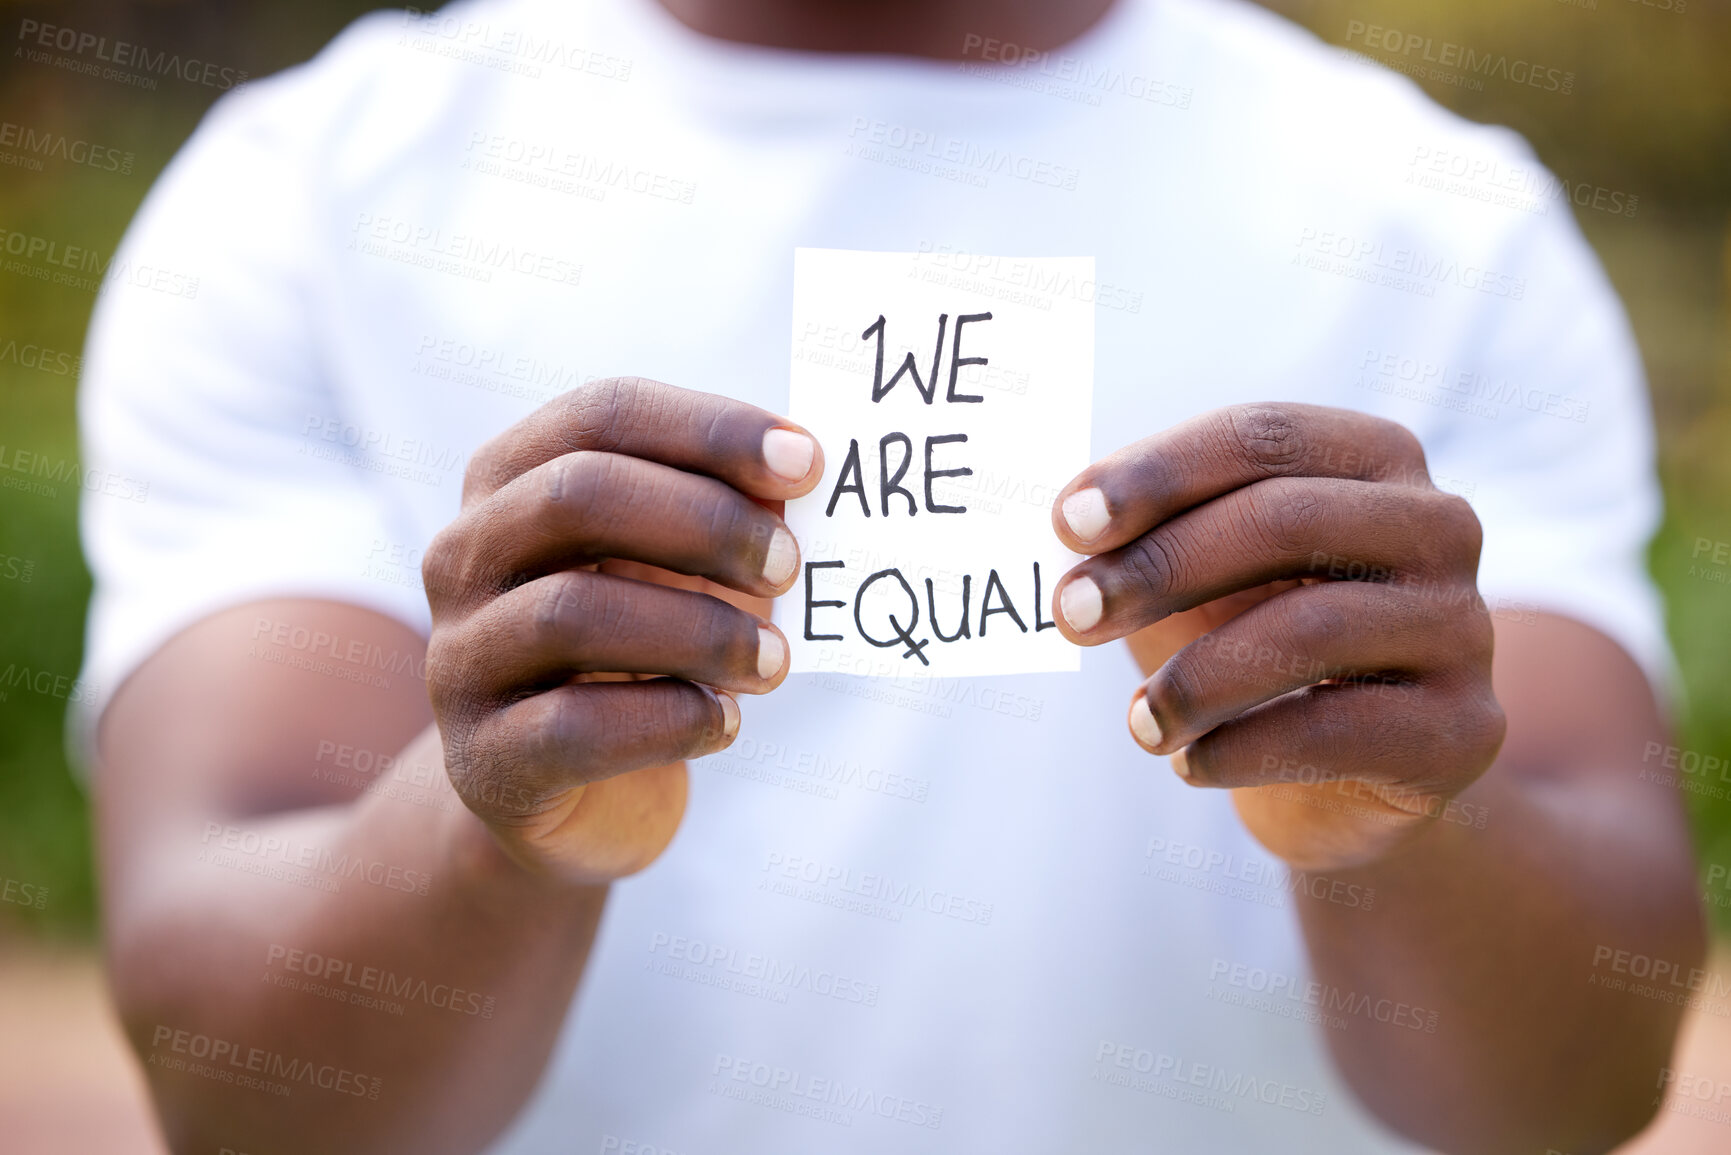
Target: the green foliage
(44, 836)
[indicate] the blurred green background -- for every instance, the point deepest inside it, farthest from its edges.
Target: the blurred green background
(1649, 117)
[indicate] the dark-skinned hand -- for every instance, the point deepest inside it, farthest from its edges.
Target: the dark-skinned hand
(1305, 603)
(570, 672)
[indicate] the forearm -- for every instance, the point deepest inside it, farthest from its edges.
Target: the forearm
(1497, 931)
(380, 959)
(1305, 604)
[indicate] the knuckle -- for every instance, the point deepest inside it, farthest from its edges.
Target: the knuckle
(719, 440)
(1266, 436)
(1477, 635)
(445, 671)
(563, 607)
(1471, 725)
(1402, 449)
(721, 523)
(442, 566)
(568, 725)
(1141, 468)
(486, 775)
(1325, 729)
(1150, 566)
(481, 474)
(1175, 690)
(490, 466)
(565, 478)
(457, 668)
(608, 621)
(1312, 620)
(582, 482)
(1462, 525)
(482, 785)
(1493, 727)
(1287, 517)
(595, 411)
(1451, 536)
(568, 731)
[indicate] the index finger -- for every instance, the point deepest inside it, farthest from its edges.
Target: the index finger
(1121, 497)
(751, 449)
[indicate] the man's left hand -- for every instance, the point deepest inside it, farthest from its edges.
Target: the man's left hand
(1342, 686)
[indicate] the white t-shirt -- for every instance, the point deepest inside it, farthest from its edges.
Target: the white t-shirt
(966, 915)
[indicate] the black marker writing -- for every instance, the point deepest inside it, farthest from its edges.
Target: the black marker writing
(850, 478)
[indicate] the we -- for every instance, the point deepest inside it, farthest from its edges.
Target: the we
(928, 386)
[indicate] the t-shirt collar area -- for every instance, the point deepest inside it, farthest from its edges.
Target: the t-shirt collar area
(768, 86)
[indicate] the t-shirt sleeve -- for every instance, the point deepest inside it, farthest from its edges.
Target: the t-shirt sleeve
(1553, 445)
(203, 389)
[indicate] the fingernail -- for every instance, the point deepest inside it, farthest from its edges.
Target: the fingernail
(1142, 723)
(771, 652)
(782, 560)
(788, 454)
(1085, 511)
(1181, 762)
(1080, 604)
(729, 714)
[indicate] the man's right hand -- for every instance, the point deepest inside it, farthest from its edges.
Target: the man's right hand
(577, 771)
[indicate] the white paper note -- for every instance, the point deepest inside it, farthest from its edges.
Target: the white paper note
(942, 460)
